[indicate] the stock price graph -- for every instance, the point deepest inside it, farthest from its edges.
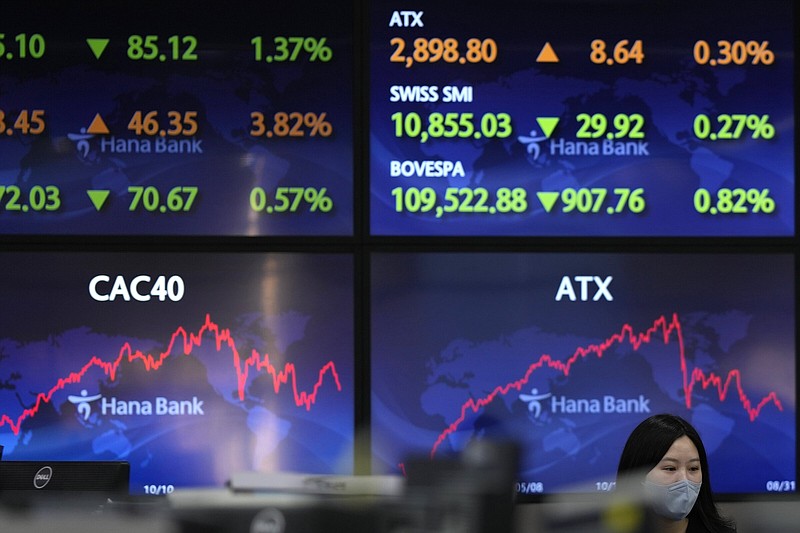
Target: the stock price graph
(668, 330)
(220, 338)
(571, 351)
(132, 369)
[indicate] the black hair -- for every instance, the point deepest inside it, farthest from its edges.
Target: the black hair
(649, 443)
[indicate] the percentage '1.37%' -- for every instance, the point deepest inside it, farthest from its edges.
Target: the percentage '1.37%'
(291, 49)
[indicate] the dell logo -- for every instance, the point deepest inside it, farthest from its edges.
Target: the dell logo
(42, 477)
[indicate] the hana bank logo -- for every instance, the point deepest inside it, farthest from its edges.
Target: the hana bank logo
(534, 401)
(84, 403)
(531, 142)
(566, 405)
(81, 141)
(113, 406)
(538, 136)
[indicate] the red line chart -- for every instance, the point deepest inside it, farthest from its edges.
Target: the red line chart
(669, 329)
(187, 341)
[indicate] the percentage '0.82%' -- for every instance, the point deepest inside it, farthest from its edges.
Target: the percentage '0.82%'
(734, 201)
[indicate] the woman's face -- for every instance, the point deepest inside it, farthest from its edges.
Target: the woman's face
(680, 462)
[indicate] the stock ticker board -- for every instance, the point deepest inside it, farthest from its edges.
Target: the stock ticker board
(342, 120)
(233, 118)
(582, 118)
(527, 119)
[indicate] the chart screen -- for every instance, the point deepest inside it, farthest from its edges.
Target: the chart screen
(574, 118)
(169, 118)
(565, 354)
(190, 367)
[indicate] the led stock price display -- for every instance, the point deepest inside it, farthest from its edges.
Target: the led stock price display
(582, 118)
(569, 352)
(228, 119)
(189, 366)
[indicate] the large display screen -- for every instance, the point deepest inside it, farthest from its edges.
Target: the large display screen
(566, 353)
(575, 118)
(190, 366)
(329, 237)
(172, 118)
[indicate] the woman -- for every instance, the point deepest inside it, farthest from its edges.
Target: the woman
(667, 451)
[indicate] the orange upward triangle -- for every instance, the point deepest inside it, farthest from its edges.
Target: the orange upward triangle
(98, 126)
(547, 55)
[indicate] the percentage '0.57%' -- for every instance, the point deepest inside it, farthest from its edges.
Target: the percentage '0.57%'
(290, 200)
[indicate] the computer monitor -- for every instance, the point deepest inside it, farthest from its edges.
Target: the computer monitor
(56, 481)
(242, 365)
(567, 353)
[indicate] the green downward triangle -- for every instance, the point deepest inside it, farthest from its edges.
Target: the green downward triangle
(98, 198)
(548, 199)
(98, 46)
(548, 124)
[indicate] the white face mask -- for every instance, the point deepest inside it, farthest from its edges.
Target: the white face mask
(672, 501)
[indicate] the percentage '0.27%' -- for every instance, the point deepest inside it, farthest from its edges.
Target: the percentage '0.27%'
(734, 126)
